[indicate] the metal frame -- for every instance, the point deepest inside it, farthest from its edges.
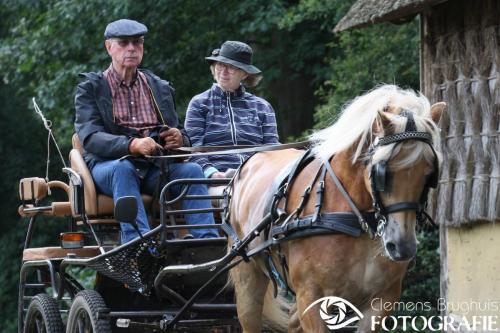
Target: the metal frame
(167, 318)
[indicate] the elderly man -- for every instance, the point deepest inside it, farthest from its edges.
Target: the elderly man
(126, 111)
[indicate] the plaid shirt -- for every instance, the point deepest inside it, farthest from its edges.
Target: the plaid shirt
(132, 104)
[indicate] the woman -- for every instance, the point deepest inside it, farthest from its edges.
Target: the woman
(226, 114)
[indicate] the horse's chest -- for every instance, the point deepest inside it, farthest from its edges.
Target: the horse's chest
(377, 276)
(363, 279)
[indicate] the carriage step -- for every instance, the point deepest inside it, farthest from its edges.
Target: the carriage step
(35, 285)
(220, 308)
(189, 325)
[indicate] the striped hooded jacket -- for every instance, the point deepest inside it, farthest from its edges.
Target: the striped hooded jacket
(215, 118)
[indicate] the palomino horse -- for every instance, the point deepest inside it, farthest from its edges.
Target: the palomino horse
(381, 150)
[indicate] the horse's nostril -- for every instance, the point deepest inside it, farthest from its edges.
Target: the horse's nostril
(391, 247)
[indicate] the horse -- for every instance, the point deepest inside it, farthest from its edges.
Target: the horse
(383, 152)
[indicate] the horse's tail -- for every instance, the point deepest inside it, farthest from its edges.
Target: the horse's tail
(277, 311)
(228, 286)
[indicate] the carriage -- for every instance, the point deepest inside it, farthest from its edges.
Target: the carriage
(288, 218)
(127, 290)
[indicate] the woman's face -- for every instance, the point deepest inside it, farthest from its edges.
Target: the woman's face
(228, 76)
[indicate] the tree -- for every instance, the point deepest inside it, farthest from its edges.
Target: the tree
(383, 53)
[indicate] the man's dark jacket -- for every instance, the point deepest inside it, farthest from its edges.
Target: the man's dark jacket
(100, 136)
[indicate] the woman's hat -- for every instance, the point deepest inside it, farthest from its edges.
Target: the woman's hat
(237, 54)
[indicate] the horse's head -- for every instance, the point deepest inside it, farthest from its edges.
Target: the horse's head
(396, 131)
(402, 166)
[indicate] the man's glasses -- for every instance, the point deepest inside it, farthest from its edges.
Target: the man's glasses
(126, 42)
(220, 66)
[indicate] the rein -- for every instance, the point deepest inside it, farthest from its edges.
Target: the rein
(225, 150)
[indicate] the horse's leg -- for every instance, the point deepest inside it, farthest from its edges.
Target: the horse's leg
(250, 285)
(294, 323)
(311, 320)
(390, 295)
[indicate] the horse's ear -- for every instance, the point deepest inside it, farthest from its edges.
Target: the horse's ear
(437, 111)
(383, 123)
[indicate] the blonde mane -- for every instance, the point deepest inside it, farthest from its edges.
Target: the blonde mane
(354, 128)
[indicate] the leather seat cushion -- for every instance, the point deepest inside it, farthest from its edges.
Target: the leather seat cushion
(105, 204)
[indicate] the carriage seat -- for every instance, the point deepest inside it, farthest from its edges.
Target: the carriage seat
(96, 204)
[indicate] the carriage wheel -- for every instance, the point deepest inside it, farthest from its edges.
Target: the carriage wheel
(43, 316)
(84, 314)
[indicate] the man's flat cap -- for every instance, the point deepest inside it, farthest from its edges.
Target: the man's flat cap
(125, 28)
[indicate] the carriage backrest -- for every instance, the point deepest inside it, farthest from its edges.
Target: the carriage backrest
(96, 205)
(93, 206)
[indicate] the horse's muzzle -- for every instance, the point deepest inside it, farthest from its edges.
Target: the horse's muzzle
(401, 251)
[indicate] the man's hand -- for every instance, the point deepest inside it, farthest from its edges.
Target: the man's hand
(143, 146)
(172, 138)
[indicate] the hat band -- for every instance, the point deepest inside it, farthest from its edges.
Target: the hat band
(239, 57)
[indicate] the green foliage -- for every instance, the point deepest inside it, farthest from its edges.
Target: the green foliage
(364, 58)
(11, 244)
(53, 41)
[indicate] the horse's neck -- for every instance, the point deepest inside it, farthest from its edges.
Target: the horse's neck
(352, 178)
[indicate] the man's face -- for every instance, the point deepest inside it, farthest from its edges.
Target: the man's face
(126, 52)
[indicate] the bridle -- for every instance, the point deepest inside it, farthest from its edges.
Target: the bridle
(379, 176)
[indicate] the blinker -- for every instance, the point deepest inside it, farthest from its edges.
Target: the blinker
(379, 174)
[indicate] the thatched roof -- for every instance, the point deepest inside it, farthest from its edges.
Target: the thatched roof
(367, 12)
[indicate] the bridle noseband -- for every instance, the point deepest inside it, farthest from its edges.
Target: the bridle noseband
(379, 176)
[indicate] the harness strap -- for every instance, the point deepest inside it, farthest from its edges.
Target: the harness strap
(403, 136)
(306, 158)
(228, 229)
(305, 197)
(327, 223)
(410, 122)
(320, 188)
(204, 149)
(284, 267)
(303, 201)
(400, 206)
(364, 225)
(272, 271)
(424, 216)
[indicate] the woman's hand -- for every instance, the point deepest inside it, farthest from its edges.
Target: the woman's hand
(218, 175)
